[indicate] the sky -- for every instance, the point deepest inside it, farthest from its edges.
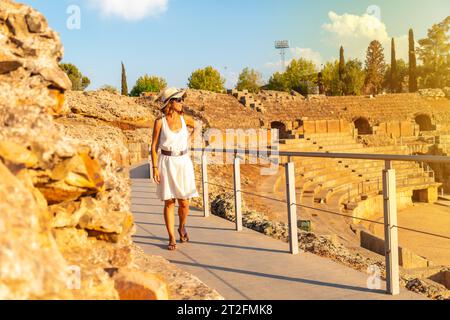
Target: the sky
(172, 38)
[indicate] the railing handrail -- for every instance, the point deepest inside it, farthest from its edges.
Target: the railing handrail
(359, 156)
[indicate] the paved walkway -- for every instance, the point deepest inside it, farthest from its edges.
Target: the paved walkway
(244, 265)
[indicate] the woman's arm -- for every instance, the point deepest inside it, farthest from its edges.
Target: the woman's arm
(155, 140)
(190, 122)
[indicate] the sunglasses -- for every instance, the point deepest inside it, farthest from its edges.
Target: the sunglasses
(179, 100)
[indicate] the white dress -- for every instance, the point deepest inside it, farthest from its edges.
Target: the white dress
(176, 172)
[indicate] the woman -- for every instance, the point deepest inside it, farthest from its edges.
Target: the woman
(173, 171)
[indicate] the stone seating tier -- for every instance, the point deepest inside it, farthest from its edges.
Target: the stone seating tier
(327, 180)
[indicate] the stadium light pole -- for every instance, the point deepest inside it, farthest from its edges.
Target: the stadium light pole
(282, 45)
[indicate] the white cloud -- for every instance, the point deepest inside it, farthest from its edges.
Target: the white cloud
(355, 27)
(297, 53)
(355, 33)
(131, 10)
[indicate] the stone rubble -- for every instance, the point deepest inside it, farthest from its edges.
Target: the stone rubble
(433, 93)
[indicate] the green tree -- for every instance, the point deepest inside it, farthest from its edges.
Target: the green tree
(354, 77)
(109, 88)
(393, 74)
(250, 80)
(402, 76)
(124, 81)
(352, 81)
(375, 67)
(148, 83)
(278, 82)
(301, 75)
(331, 79)
(207, 79)
(412, 63)
(79, 81)
(434, 52)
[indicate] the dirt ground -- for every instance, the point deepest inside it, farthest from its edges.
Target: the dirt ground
(427, 217)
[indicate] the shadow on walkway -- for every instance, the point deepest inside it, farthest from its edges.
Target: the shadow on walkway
(279, 277)
(215, 244)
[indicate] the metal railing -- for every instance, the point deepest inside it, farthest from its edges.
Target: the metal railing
(388, 187)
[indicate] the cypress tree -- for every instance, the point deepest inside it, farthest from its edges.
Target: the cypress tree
(124, 81)
(394, 85)
(341, 71)
(341, 63)
(412, 63)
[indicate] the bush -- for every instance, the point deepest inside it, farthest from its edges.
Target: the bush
(79, 82)
(207, 79)
(110, 89)
(300, 75)
(278, 82)
(250, 80)
(148, 84)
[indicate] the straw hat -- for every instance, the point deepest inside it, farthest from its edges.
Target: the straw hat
(168, 94)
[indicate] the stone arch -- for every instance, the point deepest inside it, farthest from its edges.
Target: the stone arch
(281, 128)
(363, 126)
(425, 123)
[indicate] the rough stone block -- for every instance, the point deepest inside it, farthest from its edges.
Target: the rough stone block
(429, 195)
(333, 126)
(382, 128)
(139, 285)
(406, 128)
(321, 126)
(393, 129)
(345, 126)
(409, 260)
(309, 126)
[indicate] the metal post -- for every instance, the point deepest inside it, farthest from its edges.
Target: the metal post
(291, 207)
(205, 185)
(390, 230)
(237, 193)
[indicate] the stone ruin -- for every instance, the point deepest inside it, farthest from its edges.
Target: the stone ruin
(435, 93)
(64, 196)
(247, 99)
(65, 220)
(404, 124)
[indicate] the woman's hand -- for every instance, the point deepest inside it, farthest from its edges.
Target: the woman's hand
(156, 177)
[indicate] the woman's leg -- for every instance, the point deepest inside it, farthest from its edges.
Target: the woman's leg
(183, 212)
(169, 218)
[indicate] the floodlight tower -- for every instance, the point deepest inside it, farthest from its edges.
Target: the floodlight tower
(282, 45)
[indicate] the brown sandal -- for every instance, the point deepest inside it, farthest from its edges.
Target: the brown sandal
(172, 246)
(183, 238)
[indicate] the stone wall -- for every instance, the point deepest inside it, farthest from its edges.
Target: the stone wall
(373, 206)
(110, 117)
(407, 259)
(397, 129)
(388, 110)
(65, 220)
